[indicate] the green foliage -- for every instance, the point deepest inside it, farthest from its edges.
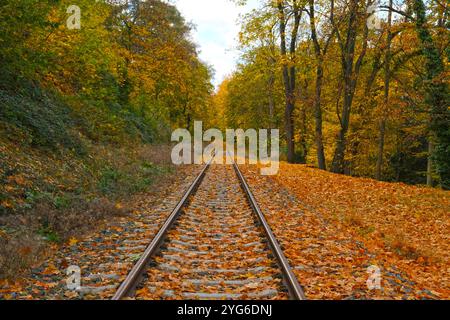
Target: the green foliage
(58, 201)
(62, 202)
(128, 181)
(42, 119)
(131, 73)
(395, 125)
(49, 234)
(437, 95)
(109, 180)
(408, 163)
(20, 21)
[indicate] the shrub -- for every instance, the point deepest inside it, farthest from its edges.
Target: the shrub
(39, 118)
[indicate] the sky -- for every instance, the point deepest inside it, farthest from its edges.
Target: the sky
(217, 30)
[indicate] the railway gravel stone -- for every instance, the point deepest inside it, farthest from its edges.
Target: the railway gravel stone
(216, 249)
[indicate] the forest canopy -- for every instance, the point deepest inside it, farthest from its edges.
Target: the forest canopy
(123, 68)
(358, 87)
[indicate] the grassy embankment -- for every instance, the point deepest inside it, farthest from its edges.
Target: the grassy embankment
(66, 164)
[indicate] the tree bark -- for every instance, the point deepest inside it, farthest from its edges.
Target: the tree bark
(436, 96)
(318, 90)
(303, 141)
(387, 80)
(351, 72)
(289, 74)
(270, 85)
(318, 117)
(430, 164)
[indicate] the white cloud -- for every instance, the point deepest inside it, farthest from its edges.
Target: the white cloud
(216, 31)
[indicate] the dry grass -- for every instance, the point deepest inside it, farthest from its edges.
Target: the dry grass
(18, 253)
(51, 199)
(30, 233)
(403, 247)
(353, 219)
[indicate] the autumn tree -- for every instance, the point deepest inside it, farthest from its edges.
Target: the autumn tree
(130, 66)
(363, 96)
(320, 51)
(289, 15)
(352, 22)
(436, 89)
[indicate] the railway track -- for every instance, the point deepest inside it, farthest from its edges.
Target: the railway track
(216, 244)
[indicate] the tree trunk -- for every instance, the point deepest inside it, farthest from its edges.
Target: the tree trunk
(303, 141)
(289, 121)
(351, 72)
(289, 74)
(380, 155)
(387, 79)
(436, 96)
(338, 165)
(271, 84)
(318, 91)
(430, 164)
(318, 117)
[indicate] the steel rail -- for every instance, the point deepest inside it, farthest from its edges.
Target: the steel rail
(295, 290)
(132, 280)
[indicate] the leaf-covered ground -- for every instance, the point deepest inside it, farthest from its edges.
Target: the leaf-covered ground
(333, 227)
(50, 197)
(107, 254)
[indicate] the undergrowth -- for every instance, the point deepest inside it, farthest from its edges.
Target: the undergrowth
(65, 165)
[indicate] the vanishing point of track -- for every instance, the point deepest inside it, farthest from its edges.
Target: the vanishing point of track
(216, 244)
